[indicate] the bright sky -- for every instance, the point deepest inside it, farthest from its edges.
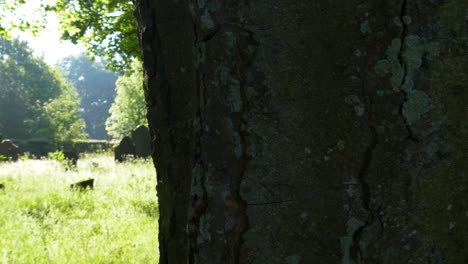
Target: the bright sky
(48, 43)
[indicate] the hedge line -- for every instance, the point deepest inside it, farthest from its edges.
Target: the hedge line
(40, 147)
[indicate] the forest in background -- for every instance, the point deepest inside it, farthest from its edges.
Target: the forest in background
(73, 100)
(35, 100)
(106, 99)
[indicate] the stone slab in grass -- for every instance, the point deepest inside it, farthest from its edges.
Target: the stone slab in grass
(83, 185)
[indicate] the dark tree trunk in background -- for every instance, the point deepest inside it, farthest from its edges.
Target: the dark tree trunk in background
(308, 131)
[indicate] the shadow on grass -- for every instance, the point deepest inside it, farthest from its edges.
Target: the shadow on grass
(150, 208)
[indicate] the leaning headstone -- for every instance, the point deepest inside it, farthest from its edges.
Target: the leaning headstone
(9, 150)
(71, 157)
(142, 140)
(124, 149)
(82, 185)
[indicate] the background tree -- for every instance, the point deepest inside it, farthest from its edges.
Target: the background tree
(96, 89)
(64, 116)
(129, 108)
(29, 92)
(308, 131)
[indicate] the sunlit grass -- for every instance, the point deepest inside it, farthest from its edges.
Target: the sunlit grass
(43, 221)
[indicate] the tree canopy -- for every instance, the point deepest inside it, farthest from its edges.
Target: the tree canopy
(96, 88)
(35, 101)
(128, 110)
(107, 28)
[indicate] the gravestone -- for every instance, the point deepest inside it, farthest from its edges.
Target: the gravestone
(71, 157)
(8, 149)
(142, 140)
(82, 185)
(124, 149)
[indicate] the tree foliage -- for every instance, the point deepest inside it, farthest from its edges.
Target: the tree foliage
(35, 101)
(107, 28)
(64, 116)
(128, 110)
(96, 88)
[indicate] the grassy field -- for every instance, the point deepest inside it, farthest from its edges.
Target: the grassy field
(43, 221)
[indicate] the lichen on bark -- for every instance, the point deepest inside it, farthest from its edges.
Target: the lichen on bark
(290, 118)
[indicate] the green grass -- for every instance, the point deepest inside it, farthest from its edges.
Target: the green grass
(43, 221)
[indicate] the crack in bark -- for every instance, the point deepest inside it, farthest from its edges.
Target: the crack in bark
(404, 66)
(374, 213)
(210, 35)
(235, 241)
(403, 35)
(356, 250)
(198, 205)
(271, 202)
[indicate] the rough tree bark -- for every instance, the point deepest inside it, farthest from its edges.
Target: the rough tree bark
(308, 131)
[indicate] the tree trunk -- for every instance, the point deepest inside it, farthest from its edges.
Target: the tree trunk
(308, 131)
